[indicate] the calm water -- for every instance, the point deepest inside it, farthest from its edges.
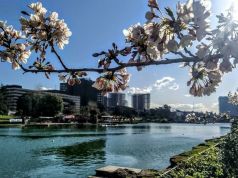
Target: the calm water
(77, 152)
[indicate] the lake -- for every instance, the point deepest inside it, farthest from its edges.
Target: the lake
(77, 152)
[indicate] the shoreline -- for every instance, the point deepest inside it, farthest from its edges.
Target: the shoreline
(110, 171)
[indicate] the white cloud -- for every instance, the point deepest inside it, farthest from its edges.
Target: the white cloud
(164, 83)
(155, 105)
(174, 87)
(188, 95)
(214, 107)
(189, 107)
(43, 88)
(133, 90)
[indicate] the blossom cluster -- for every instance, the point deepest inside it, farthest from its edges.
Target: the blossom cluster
(222, 43)
(73, 78)
(170, 34)
(44, 28)
(191, 117)
(176, 32)
(196, 13)
(233, 98)
(112, 82)
(203, 81)
(12, 51)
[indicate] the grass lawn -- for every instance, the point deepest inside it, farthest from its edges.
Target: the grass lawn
(6, 117)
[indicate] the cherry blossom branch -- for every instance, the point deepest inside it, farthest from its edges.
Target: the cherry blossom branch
(121, 66)
(58, 56)
(180, 54)
(147, 44)
(185, 48)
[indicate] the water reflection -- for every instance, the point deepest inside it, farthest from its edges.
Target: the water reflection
(79, 154)
(139, 129)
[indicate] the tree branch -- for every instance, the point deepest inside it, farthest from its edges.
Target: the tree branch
(180, 54)
(123, 65)
(58, 56)
(185, 48)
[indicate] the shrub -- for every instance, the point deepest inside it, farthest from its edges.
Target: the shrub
(206, 165)
(229, 149)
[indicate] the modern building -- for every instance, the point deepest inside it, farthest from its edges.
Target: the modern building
(141, 102)
(111, 100)
(85, 90)
(14, 92)
(67, 99)
(102, 99)
(116, 99)
(226, 107)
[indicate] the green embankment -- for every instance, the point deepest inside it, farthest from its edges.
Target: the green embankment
(196, 150)
(203, 161)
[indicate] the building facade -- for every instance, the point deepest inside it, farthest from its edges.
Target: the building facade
(85, 90)
(226, 107)
(66, 99)
(116, 99)
(141, 102)
(102, 99)
(111, 100)
(14, 92)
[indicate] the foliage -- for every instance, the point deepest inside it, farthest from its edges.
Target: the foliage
(161, 114)
(90, 112)
(28, 105)
(36, 105)
(206, 165)
(124, 111)
(3, 104)
(230, 151)
(6, 117)
(69, 108)
(50, 105)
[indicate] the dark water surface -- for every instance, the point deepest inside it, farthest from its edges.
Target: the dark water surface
(77, 152)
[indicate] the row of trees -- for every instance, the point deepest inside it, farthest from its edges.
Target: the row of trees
(35, 105)
(165, 114)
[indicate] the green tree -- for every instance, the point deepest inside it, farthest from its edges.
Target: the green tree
(35, 105)
(50, 105)
(28, 105)
(229, 150)
(124, 111)
(3, 105)
(69, 108)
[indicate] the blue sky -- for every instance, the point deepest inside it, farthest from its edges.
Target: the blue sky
(95, 25)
